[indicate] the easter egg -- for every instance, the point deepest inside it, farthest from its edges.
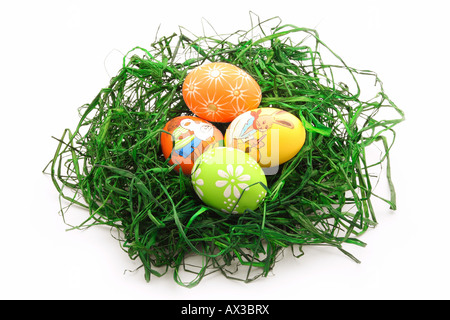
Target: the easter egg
(271, 136)
(187, 138)
(229, 180)
(219, 92)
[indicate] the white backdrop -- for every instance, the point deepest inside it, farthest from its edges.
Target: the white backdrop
(57, 55)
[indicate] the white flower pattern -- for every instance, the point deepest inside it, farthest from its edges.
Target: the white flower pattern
(197, 183)
(233, 180)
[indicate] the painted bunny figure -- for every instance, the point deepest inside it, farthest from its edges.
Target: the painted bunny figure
(250, 131)
(190, 142)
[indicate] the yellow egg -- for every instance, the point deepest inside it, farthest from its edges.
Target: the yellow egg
(271, 136)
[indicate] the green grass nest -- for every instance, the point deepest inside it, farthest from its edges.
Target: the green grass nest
(112, 164)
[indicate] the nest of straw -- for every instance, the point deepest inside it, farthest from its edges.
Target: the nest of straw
(112, 164)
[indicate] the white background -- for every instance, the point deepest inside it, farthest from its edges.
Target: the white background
(56, 56)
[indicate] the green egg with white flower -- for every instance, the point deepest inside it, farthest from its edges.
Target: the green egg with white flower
(229, 180)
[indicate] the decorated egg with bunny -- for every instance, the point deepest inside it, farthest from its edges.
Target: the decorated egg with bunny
(185, 138)
(271, 136)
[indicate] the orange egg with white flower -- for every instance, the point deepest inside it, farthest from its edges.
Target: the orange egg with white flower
(219, 92)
